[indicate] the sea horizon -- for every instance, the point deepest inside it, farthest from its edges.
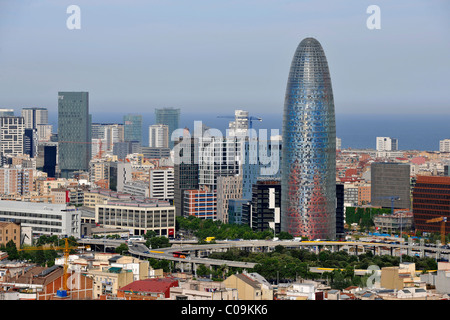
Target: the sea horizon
(357, 131)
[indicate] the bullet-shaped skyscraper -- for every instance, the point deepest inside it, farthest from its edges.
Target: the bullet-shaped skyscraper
(308, 185)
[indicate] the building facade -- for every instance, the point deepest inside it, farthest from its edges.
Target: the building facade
(387, 144)
(309, 146)
(431, 199)
(390, 179)
(200, 203)
(43, 218)
(12, 130)
(137, 217)
(169, 117)
(74, 132)
(444, 145)
(265, 205)
(132, 127)
(158, 136)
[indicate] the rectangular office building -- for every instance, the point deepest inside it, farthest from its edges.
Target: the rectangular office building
(43, 218)
(74, 132)
(388, 180)
(431, 199)
(137, 217)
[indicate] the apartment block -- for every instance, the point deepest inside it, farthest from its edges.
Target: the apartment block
(10, 231)
(200, 203)
(17, 181)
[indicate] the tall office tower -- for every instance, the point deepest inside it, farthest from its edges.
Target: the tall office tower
(50, 152)
(227, 188)
(186, 171)
(37, 118)
(265, 205)
(340, 216)
(171, 118)
(30, 142)
(308, 184)
(444, 145)
(431, 199)
(12, 131)
(34, 117)
(387, 144)
(158, 136)
(240, 125)
(390, 179)
(74, 132)
(132, 130)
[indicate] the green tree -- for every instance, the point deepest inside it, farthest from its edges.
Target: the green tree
(11, 250)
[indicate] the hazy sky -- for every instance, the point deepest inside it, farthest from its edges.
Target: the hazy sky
(221, 55)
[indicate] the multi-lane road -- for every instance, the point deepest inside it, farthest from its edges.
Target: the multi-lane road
(198, 254)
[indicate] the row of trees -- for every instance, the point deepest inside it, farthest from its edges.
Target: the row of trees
(38, 255)
(288, 264)
(203, 228)
(363, 216)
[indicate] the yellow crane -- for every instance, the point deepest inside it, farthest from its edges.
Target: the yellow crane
(442, 220)
(66, 250)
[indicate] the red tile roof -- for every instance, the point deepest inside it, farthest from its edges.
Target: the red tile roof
(151, 285)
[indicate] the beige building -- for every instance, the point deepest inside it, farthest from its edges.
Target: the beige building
(227, 188)
(107, 280)
(247, 288)
(9, 231)
(203, 290)
(401, 277)
(16, 181)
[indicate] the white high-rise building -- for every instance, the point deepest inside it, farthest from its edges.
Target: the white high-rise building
(161, 183)
(444, 145)
(33, 117)
(338, 143)
(387, 144)
(158, 136)
(11, 135)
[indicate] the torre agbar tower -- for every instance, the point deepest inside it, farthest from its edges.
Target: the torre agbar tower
(308, 184)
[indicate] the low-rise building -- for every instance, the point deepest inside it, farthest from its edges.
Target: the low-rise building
(43, 218)
(148, 289)
(139, 217)
(202, 290)
(10, 231)
(108, 280)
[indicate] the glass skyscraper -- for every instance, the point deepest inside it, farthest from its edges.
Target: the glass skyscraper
(132, 127)
(169, 117)
(308, 205)
(74, 132)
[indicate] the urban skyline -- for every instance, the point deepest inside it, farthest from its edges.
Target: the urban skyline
(161, 142)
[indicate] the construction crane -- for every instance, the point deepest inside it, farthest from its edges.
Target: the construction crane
(66, 250)
(442, 220)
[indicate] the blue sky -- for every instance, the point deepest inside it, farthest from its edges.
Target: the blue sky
(217, 56)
